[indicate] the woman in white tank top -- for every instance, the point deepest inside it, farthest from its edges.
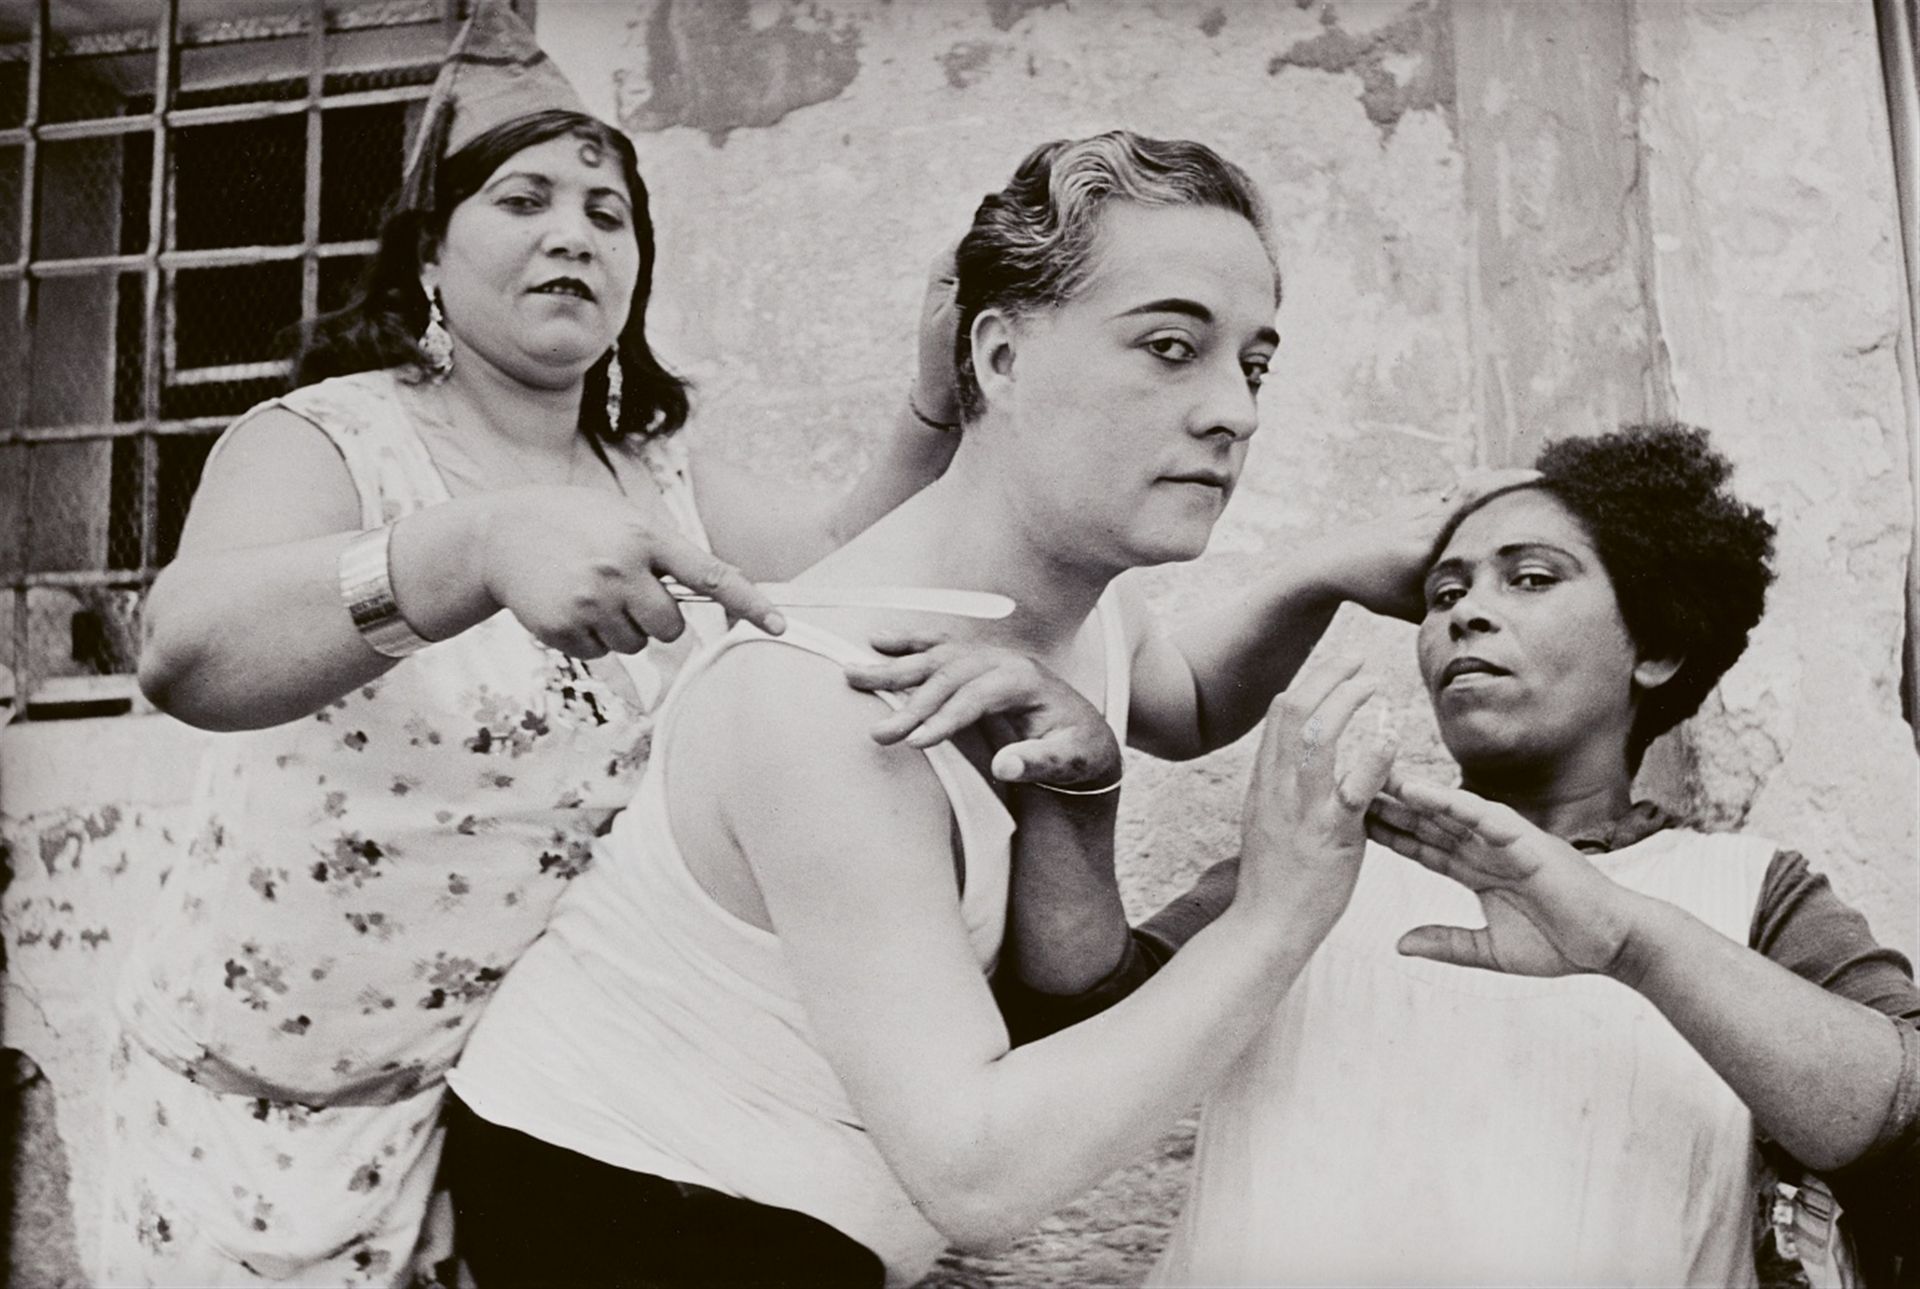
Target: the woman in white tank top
(773, 987)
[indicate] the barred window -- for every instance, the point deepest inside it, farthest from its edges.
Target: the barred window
(181, 184)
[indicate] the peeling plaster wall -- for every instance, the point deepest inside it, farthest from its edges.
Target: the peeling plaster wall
(1500, 222)
(1775, 283)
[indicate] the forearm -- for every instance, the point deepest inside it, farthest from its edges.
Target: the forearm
(1032, 1014)
(246, 639)
(909, 459)
(1066, 927)
(1243, 653)
(1055, 1117)
(1818, 1071)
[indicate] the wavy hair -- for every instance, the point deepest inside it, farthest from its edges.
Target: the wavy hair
(380, 328)
(1031, 245)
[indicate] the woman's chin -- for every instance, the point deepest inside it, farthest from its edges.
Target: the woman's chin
(1173, 543)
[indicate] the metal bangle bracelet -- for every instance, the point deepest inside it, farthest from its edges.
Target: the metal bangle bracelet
(945, 427)
(366, 589)
(1079, 792)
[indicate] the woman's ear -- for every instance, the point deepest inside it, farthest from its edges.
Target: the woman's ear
(993, 340)
(1651, 673)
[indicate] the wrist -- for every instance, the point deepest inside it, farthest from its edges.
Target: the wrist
(365, 577)
(1284, 940)
(1642, 925)
(937, 414)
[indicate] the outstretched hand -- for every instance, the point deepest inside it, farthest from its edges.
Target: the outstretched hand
(1549, 911)
(1043, 730)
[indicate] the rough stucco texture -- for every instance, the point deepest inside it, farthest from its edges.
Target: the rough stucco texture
(806, 160)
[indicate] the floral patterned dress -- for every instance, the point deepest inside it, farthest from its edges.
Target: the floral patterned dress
(359, 882)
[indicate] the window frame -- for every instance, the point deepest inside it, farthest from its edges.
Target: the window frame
(157, 264)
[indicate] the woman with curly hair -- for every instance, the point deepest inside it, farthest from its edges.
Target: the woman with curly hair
(1439, 1102)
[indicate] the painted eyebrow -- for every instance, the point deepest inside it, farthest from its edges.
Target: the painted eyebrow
(1198, 312)
(1457, 564)
(545, 182)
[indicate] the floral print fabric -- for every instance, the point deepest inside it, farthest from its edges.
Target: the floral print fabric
(359, 882)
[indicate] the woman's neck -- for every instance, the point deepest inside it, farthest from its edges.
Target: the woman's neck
(1565, 802)
(535, 420)
(966, 530)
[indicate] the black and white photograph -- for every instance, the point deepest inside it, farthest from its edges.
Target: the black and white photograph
(960, 644)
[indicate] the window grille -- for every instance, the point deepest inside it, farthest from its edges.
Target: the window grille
(180, 185)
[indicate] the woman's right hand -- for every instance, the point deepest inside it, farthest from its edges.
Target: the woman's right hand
(1303, 830)
(581, 570)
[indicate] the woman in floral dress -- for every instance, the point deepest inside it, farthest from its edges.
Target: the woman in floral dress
(490, 466)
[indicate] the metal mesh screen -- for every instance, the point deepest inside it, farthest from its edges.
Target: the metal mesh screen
(176, 198)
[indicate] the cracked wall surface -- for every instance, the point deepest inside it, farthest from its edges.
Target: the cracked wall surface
(1500, 222)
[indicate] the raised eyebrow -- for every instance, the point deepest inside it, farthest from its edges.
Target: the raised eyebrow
(1199, 313)
(1189, 308)
(1525, 548)
(1452, 564)
(531, 176)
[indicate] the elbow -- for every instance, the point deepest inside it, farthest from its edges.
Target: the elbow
(972, 1223)
(163, 672)
(166, 678)
(171, 675)
(977, 1206)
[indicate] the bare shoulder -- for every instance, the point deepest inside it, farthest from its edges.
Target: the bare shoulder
(277, 477)
(781, 747)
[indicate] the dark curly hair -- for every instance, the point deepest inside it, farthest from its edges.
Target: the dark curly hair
(1031, 244)
(382, 325)
(1689, 561)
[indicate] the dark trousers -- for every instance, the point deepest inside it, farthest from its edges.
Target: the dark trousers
(527, 1213)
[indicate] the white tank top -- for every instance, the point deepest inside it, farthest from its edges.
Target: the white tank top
(654, 1030)
(1404, 1122)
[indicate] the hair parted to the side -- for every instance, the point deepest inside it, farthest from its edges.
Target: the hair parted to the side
(1690, 562)
(1032, 243)
(381, 327)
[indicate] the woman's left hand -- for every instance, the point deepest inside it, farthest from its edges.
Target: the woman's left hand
(1382, 566)
(1549, 911)
(1043, 730)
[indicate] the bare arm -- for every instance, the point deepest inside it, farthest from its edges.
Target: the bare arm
(1818, 1071)
(1066, 928)
(246, 628)
(849, 844)
(775, 530)
(1206, 682)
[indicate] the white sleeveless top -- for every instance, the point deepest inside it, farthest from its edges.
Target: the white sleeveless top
(1404, 1122)
(654, 1030)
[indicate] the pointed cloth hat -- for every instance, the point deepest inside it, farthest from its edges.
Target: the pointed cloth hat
(494, 72)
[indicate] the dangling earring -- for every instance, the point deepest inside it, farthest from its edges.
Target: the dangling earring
(614, 381)
(436, 346)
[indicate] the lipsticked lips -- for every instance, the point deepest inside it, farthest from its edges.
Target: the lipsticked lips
(565, 286)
